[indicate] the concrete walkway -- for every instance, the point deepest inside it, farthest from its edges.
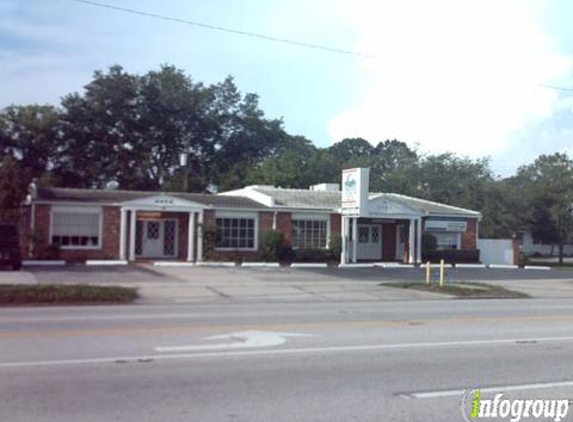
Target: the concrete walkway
(274, 285)
(204, 284)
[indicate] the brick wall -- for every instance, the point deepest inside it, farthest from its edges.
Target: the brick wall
(469, 237)
(388, 241)
(284, 224)
(109, 242)
(335, 225)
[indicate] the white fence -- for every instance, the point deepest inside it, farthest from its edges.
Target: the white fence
(530, 248)
(496, 251)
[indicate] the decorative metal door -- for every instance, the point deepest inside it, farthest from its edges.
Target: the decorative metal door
(156, 238)
(369, 241)
(152, 239)
(169, 238)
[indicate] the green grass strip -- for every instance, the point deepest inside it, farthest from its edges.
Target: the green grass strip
(17, 294)
(461, 289)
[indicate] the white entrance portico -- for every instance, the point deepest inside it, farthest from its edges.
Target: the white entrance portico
(364, 236)
(151, 228)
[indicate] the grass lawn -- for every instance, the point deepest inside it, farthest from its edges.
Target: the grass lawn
(461, 290)
(61, 294)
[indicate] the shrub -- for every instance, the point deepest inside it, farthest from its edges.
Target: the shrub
(13, 294)
(211, 237)
(453, 256)
(51, 252)
(335, 245)
(271, 244)
(287, 254)
(429, 244)
(313, 255)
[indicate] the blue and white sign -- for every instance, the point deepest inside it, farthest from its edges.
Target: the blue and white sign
(355, 184)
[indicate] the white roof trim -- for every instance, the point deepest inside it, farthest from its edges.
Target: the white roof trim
(251, 193)
(162, 202)
(381, 206)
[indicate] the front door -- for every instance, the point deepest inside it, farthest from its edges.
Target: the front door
(152, 238)
(157, 239)
(369, 241)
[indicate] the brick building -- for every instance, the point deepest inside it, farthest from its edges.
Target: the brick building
(130, 225)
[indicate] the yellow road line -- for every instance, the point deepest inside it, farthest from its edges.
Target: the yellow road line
(304, 326)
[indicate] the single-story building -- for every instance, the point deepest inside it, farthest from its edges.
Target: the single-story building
(134, 225)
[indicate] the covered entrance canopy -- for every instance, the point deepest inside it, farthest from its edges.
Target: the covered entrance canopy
(391, 231)
(389, 227)
(151, 228)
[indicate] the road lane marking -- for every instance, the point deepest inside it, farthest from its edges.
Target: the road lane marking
(302, 326)
(502, 388)
(239, 340)
(307, 350)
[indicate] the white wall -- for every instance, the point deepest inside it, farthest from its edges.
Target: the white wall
(496, 251)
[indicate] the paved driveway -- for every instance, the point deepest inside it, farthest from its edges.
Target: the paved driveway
(203, 284)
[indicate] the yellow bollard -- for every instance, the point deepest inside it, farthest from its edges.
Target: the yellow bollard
(441, 273)
(428, 272)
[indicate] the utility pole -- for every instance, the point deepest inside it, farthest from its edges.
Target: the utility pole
(184, 161)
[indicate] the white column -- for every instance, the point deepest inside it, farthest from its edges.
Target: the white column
(343, 240)
(191, 237)
(419, 240)
(275, 220)
(411, 240)
(354, 239)
(132, 226)
(122, 233)
(200, 237)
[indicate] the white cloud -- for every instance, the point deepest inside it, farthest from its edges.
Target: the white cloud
(452, 75)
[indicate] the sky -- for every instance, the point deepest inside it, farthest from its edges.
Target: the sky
(469, 77)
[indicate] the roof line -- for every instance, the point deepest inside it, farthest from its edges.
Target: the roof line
(433, 202)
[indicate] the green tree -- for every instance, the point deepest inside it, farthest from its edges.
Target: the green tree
(454, 180)
(30, 135)
(394, 168)
(130, 130)
(547, 186)
(12, 190)
(288, 168)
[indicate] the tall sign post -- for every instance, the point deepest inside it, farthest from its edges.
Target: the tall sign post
(355, 184)
(355, 187)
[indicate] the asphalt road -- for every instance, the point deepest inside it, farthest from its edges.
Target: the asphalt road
(351, 361)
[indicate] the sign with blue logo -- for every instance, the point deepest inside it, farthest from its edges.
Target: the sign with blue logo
(355, 183)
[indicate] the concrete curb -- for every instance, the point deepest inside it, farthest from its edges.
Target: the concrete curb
(537, 267)
(39, 262)
(173, 264)
(364, 265)
(260, 264)
(309, 265)
(392, 265)
(105, 262)
(215, 264)
(471, 266)
(503, 266)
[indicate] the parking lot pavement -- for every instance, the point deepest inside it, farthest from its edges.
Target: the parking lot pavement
(206, 284)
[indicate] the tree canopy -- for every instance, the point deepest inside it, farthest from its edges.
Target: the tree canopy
(128, 131)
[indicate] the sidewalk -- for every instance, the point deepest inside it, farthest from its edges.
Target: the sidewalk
(275, 285)
(203, 284)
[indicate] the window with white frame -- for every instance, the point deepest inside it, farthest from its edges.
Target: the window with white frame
(447, 240)
(76, 228)
(236, 232)
(309, 234)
